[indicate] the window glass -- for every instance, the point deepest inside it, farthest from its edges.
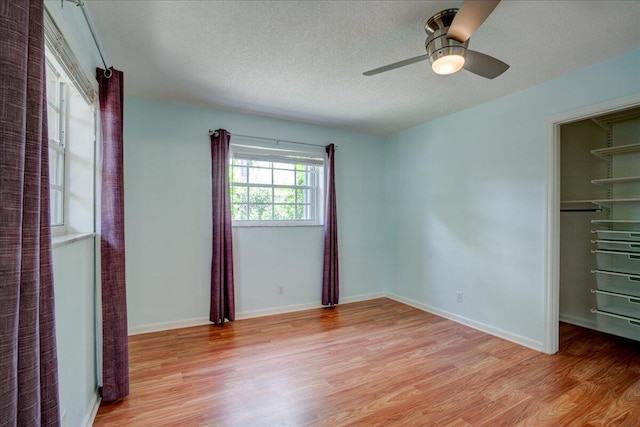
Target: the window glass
(277, 189)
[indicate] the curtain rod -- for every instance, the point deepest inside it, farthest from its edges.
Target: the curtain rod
(107, 72)
(215, 133)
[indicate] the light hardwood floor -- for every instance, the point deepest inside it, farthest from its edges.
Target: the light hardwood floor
(374, 363)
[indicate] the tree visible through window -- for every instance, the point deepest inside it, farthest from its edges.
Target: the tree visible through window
(272, 188)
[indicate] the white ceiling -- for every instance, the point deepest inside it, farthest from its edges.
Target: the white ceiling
(303, 60)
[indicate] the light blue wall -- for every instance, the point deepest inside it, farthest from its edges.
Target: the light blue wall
(73, 273)
(168, 216)
(465, 201)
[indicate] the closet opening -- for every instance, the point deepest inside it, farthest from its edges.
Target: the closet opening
(593, 221)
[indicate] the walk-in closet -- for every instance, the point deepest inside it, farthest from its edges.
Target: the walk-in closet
(600, 223)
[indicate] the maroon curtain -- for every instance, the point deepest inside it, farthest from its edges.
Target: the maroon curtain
(330, 276)
(115, 344)
(222, 294)
(28, 357)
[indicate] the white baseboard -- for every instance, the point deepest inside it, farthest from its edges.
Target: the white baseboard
(90, 417)
(166, 326)
(500, 333)
(198, 321)
(518, 339)
(302, 307)
(250, 314)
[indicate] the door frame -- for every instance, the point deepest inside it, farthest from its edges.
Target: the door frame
(552, 208)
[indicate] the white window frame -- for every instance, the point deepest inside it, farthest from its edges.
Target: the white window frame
(313, 190)
(57, 143)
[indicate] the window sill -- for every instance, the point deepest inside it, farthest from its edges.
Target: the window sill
(67, 239)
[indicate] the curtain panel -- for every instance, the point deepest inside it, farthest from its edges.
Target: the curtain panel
(115, 344)
(222, 288)
(330, 276)
(28, 356)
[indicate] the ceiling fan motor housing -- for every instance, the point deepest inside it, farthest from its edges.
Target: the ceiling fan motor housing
(437, 43)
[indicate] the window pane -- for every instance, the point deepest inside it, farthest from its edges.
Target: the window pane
(284, 212)
(260, 212)
(59, 178)
(284, 195)
(52, 124)
(52, 86)
(238, 174)
(238, 194)
(260, 163)
(281, 177)
(288, 166)
(56, 207)
(262, 190)
(301, 178)
(260, 195)
(239, 212)
(53, 165)
(259, 176)
(56, 167)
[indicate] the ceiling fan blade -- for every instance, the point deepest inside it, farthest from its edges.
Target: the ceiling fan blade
(396, 65)
(484, 65)
(471, 15)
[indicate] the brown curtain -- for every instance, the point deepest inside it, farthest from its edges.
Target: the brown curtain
(115, 344)
(330, 276)
(28, 357)
(222, 293)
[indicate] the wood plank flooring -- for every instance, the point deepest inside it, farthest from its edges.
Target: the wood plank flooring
(374, 363)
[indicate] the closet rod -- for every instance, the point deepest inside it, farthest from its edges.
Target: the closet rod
(81, 5)
(215, 133)
(581, 210)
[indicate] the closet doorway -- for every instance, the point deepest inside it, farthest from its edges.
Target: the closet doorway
(593, 220)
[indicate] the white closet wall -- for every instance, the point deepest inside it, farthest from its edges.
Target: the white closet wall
(577, 168)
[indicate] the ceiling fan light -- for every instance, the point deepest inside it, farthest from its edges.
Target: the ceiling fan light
(448, 64)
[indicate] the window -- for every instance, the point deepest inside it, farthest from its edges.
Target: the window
(71, 123)
(275, 186)
(57, 124)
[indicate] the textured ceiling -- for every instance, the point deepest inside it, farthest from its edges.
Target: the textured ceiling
(303, 60)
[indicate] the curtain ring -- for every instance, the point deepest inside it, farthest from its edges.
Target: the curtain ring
(108, 73)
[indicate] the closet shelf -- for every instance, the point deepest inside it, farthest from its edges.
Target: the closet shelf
(629, 316)
(631, 276)
(615, 221)
(630, 236)
(618, 245)
(606, 153)
(631, 255)
(578, 206)
(619, 291)
(621, 311)
(607, 201)
(622, 180)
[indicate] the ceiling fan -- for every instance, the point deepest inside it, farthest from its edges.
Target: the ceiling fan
(448, 37)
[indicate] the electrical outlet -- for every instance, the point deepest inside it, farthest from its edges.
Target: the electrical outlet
(459, 296)
(280, 290)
